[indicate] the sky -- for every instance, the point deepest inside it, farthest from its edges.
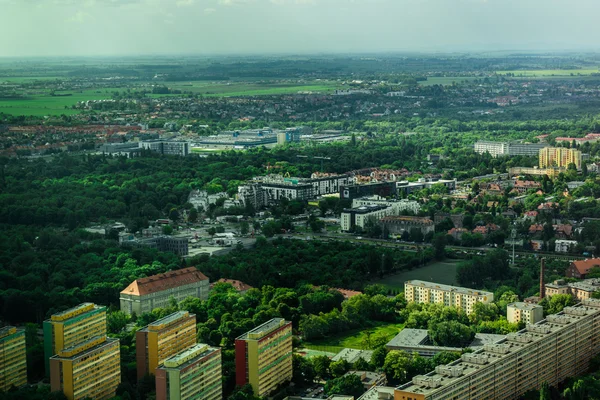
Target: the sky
(209, 27)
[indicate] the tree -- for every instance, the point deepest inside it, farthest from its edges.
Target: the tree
(193, 215)
(116, 321)
(212, 231)
(244, 228)
(167, 229)
(545, 392)
(339, 368)
(321, 366)
(451, 334)
(439, 245)
(349, 385)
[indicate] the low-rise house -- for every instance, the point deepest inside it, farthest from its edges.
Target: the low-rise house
(369, 379)
(579, 269)
(353, 355)
(564, 246)
(239, 286)
(563, 231)
(530, 215)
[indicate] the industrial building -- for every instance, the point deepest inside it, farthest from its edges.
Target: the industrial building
(13, 358)
(550, 351)
(449, 296)
(263, 356)
(146, 294)
(163, 339)
(194, 373)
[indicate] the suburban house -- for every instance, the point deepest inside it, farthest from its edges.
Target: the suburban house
(579, 269)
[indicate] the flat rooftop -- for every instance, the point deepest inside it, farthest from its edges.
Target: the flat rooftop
(378, 393)
(419, 338)
(448, 288)
(263, 330)
(188, 356)
(524, 306)
(353, 355)
(470, 363)
(166, 321)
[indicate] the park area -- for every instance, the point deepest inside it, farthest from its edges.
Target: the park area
(361, 339)
(440, 272)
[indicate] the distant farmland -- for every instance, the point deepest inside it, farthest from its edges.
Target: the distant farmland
(439, 272)
(547, 73)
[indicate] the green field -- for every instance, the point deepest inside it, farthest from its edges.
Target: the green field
(355, 339)
(439, 272)
(249, 88)
(546, 73)
(446, 80)
(28, 79)
(52, 105)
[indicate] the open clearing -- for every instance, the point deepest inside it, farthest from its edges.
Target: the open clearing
(52, 105)
(222, 89)
(439, 272)
(355, 339)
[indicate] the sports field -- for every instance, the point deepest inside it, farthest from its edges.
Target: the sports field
(439, 272)
(355, 339)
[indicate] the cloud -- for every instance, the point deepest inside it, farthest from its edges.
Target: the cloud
(234, 2)
(185, 3)
(208, 11)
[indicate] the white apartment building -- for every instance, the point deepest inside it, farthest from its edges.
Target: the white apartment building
(397, 205)
(357, 217)
(494, 148)
(564, 246)
(450, 296)
(524, 312)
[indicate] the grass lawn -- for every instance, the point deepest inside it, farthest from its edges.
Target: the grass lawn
(52, 105)
(551, 72)
(439, 272)
(354, 339)
(220, 89)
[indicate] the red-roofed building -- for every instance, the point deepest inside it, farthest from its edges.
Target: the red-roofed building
(146, 294)
(457, 233)
(563, 231)
(524, 186)
(240, 286)
(530, 214)
(579, 269)
(536, 228)
(347, 293)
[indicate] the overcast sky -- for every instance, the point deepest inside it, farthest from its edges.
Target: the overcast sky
(136, 27)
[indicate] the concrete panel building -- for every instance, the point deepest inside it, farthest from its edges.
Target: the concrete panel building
(454, 296)
(550, 351)
(91, 369)
(73, 326)
(524, 312)
(13, 358)
(194, 373)
(559, 157)
(163, 339)
(263, 356)
(146, 294)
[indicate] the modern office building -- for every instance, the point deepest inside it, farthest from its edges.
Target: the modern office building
(352, 218)
(166, 147)
(194, 373)
(163, 339)
(559, 157)
(550, 351)
(13, 358)
(146, 294)
(429, 292)
(90, 369)
(263, 356)
(524, 312)
(71, 327)
(398, 206)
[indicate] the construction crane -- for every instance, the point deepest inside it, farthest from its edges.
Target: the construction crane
(316, 158)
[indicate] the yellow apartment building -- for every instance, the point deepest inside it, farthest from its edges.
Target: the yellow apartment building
(263, 356)
(163, 339)
(450, 296)
(559, 157)
(13, 358)
(194, 373)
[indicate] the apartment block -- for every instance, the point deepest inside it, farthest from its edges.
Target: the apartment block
(91, 369)
(146, 294)
(550, 351)
(559, 157)
(429, 292)
(524, 312)
(579, 290)
(13, 358)
(263, 356)
(163, 339)
(194, 373)
(499, 149)
(71, 327)
(358, 217)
